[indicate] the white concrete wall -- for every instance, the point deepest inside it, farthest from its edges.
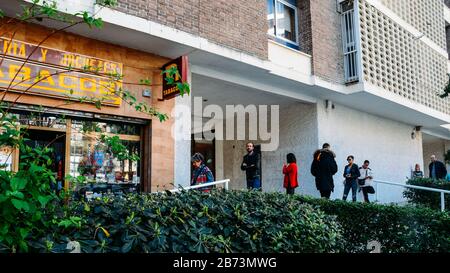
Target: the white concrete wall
(289, 58)
(298, 134)
(182, 135)
(74, 6)
(385, 143)
(305, 127)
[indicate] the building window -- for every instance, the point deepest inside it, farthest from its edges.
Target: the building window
(104, 170)
(282, 17)
(349, 44)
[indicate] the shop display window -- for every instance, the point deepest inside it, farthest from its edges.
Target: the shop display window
(91, 158)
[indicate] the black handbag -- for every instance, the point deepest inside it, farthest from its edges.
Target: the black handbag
(370, 190)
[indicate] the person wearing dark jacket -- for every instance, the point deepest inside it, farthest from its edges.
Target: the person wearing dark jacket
(201, 173)
(351, 174)
(290, 172)
(251, 166)
(437, 169)
(323, 168)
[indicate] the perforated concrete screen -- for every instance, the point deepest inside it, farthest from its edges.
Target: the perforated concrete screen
(393, 59)
(425, 15)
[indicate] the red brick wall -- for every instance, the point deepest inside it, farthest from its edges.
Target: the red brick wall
(304, 26)
(238, 24)
(327, 53)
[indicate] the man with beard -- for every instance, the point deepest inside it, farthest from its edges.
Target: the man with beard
(251, 166)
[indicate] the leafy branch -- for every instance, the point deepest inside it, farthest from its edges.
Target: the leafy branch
(446, 90)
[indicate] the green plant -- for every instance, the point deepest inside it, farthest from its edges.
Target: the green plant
(398, 229)
(29, 208)
(226, 222)
(427, 198)
(25, 195)
(446, 90)
(116, 146)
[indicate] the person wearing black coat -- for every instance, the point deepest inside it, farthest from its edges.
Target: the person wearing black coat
(437, 169)
(351, 174)
(251, 165)
(323, 168)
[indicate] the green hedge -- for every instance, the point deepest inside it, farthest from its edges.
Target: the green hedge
(427, 198)
(397, 229)
(194, 222)
(240, 222)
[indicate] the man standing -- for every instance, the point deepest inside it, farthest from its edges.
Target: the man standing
(437, 169)
(251, 166)
(365, 180)
(323, 168)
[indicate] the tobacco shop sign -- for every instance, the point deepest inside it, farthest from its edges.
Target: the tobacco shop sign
(56, 73)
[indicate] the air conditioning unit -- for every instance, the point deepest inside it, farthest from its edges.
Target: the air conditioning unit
(343, 5)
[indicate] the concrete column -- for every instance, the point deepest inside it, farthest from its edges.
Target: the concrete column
(182, 135)
(219, 160)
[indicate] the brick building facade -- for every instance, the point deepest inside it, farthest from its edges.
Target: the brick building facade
(237, 24)
(363, 77)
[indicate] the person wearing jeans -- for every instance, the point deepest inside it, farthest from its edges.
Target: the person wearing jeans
(251, 166)
(351, 174)
(365, 180)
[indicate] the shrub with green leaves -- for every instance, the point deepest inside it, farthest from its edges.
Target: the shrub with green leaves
(427, 198)
(224, 222)
(240, 222)
(398, 229)
(24, 195)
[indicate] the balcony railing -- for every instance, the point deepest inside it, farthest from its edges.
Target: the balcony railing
(440, 191)
(215, 183)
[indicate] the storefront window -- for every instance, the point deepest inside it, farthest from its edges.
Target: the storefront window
(92, 158)
(41, 120)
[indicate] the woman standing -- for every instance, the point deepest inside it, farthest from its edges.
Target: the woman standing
(290, 171)
(201, 173)
(351, 174)
(417, 172)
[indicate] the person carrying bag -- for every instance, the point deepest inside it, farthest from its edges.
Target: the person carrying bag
(365, 180)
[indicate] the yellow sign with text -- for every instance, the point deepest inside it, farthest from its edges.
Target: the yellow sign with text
(47, 81)
(56, 73)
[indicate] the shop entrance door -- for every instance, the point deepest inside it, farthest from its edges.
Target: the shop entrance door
(57, 142)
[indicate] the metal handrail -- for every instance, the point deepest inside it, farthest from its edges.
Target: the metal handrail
(442, 192)
(225, 182)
